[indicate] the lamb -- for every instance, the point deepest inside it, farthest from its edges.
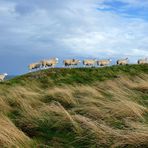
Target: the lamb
(103, 62)
(143, 61)
(49, 63)
(71, 62)
(122, 61)
(89, 62)
(2, 76)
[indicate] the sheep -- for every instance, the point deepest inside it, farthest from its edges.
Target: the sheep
(104, 62)
(122, 61)
(34, 66)
(49, 63)
(71, 62)
(2, 76)
(143, 61)
(89, 62)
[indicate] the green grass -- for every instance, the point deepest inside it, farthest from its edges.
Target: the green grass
(54, 77)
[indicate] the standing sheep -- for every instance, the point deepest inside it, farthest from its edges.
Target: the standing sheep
(122, 61)
(103, 62)
(143, 61)
(34, 66)
(71, 62)
(49, 63)
(2, 76)
(89, 62)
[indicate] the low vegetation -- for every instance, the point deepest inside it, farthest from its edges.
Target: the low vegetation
(76, 108)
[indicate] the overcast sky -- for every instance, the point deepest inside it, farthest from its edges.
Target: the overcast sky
(31, 30)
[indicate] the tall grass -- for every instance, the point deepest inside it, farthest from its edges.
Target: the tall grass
(111, 113)
(10, 135)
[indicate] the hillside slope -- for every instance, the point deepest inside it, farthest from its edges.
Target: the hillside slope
(76, 108)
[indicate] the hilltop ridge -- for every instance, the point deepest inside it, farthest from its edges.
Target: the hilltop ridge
(57, 76)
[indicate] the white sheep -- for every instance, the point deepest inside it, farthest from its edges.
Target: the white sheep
(143, 61)
(122, 61)
(49, 63)
(71, 62)
(34, 66)
(2, 76)
(89, 62)
(103, 62)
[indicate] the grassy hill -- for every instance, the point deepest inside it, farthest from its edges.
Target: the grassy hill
(76, 108)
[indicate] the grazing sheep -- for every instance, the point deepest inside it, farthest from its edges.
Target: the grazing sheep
(103, 62)
(71, 62)
(122, 61)
(34, 66)
(143, 61)
(89, 62)
(2, 76)
(49, 63)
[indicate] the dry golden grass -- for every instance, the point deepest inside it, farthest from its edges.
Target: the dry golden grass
(10, 135)
(107, 114)
(62, 95)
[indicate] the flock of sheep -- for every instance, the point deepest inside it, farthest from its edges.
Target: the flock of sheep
(74, 62)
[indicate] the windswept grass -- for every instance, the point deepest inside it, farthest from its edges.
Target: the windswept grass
(76, 108)
(10, 135)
